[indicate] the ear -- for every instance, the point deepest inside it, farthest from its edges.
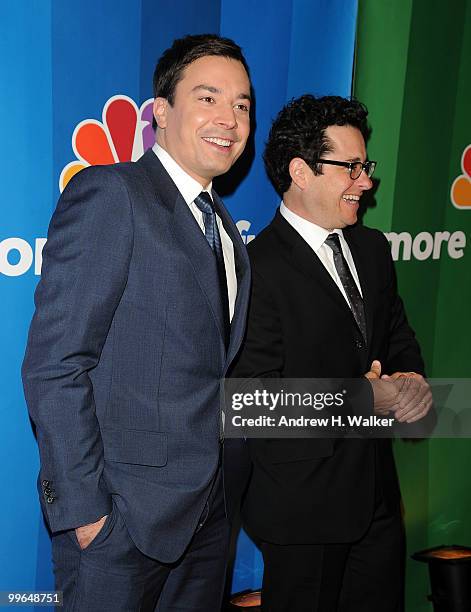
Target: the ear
(298, 170)
(160, 112)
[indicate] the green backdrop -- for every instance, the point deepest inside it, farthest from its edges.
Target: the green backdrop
(412, 70)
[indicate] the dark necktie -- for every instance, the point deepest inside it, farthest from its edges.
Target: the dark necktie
(211, 231)
(353, 295)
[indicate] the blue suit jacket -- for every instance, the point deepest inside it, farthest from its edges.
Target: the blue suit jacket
(125, 355)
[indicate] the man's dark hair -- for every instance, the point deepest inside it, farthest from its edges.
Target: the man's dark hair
(182, 53)
(299, 131)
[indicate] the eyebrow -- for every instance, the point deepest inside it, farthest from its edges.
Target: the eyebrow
(215, 90)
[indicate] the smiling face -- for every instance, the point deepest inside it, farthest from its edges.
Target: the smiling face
(207, 127)
(331, 199)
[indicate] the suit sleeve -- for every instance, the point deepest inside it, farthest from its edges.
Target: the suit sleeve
(404, 352)
(262, 351)
(84, 273)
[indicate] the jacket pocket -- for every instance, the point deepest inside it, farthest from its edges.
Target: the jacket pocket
(135, 446)
(101, 535)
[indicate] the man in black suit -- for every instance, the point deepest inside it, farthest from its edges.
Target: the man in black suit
(324, 304)
(139, 312)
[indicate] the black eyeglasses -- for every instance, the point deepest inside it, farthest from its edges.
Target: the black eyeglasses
(356, 168)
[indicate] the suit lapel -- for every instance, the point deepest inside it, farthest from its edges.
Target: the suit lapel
(304, 258)
(187, 234)
(242, 267)
(191, 240)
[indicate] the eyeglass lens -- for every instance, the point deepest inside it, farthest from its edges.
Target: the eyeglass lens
(358, 167)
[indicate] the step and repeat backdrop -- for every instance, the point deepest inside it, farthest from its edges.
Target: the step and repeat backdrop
(412, 69)
(76, 91)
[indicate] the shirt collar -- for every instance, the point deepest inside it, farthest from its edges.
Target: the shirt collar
(313, 234)
(186, 184)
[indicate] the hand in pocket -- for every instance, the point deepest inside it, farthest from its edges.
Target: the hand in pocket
(87, 533)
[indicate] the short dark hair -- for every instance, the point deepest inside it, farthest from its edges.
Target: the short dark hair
(182, 53)
(299, 131)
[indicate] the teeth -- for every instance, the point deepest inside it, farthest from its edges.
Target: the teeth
(350, 197)
(219, 141)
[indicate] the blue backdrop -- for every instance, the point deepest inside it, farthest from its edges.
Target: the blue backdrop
(60, 62)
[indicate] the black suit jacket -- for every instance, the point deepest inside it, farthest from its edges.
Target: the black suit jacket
(300, 326)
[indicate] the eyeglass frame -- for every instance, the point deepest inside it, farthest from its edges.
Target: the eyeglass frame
(369, 166)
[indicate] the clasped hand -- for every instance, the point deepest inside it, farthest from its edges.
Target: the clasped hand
(406, 394)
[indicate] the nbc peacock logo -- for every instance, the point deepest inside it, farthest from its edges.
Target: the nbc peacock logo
(124, 134)
(460, 193)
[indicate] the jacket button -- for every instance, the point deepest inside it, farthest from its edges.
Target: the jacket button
(50, 499)
(46, 483)
(359, 344)
(47, 492)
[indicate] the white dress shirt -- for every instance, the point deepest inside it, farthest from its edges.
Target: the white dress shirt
(189, 189)
(315, 236)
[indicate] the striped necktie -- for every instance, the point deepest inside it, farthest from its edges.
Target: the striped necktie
(205, 204)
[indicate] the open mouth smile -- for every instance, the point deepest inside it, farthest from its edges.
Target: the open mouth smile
(220, 143)
(351, 199)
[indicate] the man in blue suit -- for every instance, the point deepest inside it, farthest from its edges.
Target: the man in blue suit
(139, 312)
